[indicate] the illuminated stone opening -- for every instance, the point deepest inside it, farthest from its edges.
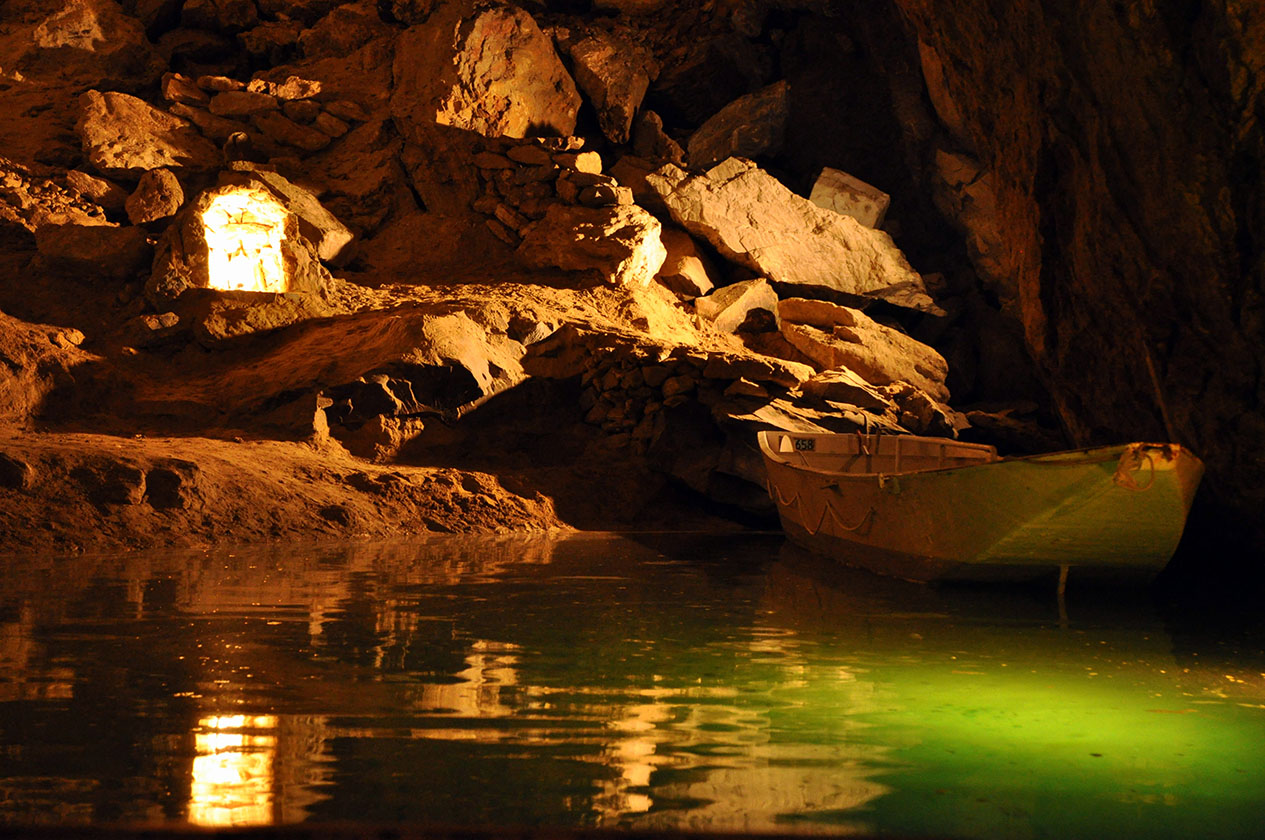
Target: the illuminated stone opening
(244, 230)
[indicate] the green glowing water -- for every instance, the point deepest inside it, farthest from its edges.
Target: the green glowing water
(665, 682)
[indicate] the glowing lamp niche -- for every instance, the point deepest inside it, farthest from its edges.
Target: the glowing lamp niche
(244, 230)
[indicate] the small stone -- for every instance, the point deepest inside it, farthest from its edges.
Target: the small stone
(588, 162)
(535, 174)
(531, 155)
(218, 84)
(345, 109)
(676, 385)
(602, 196)
(491, 160)
(501, 232)
(510, 218)
(178, 88)
(217, 128)
(301, 110)
(107, 194)
(15, 474)
(242, 103)
(287, 132)
(158, 195)
(295, 87)
(68, 338)
(655, 375)
(485, 204)
(330, 125)
(746, 388)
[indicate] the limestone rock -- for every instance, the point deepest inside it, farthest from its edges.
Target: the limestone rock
(242, 103)
(650, 142)
(843, 193)
(487, 69)
(753, 220)
(105, 193)
(217, 128)
(179, 88)
(614, 74)
(750, 126)
(124, 137)
(287, 132)
(844, 386)
(119, 253)
(362, 77)
(621, 244)
(158, 195)
(347, 28)
(272, 42)
(749, 306)
(685, 270)
(880, 354)
(29, 202)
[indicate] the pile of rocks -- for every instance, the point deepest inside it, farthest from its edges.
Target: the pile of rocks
(264, 119)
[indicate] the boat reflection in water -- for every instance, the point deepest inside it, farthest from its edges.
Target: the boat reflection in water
(660, 683)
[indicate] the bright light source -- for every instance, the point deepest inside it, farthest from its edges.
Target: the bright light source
(244, 230)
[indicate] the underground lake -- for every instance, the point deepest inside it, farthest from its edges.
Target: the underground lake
(666, 682)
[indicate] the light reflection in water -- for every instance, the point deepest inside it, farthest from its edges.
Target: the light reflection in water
(567, 684)
(233, 771)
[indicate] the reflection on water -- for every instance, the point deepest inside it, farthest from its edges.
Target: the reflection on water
(720, 683)
(232, 773)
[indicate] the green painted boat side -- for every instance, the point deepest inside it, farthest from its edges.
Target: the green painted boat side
(1115, 509)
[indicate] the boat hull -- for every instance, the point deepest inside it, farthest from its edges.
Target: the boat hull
(1116, 511)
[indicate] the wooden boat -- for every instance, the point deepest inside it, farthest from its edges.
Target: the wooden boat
(929, 508)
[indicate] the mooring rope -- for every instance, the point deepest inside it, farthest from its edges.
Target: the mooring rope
(800, 508)
(1124, 474)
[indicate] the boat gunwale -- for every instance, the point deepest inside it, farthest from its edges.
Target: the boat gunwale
(1064, 457)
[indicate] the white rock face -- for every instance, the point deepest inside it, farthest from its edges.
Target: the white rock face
(620, 243)
(125, 137)
(838, 191)
(487, 69)
(755, 221)
(839, 337)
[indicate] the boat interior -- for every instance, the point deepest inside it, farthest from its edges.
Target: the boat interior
(862, 454)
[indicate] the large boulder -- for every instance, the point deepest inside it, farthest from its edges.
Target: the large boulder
(614, 74)
(485, 68)
(125, 137)
(755, 221)
(620, 244)
(839, 337)
(750, 126)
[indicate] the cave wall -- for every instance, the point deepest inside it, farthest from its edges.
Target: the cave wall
(1122, 145)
